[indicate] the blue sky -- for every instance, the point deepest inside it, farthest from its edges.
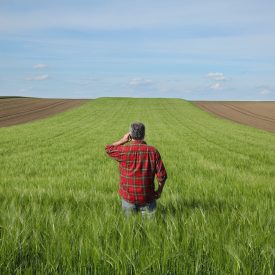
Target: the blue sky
(223, 50)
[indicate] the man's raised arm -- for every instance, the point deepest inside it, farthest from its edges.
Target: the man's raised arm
(113, 149)
(125, 139)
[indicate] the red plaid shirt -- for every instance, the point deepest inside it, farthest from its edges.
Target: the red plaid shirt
(138, 164)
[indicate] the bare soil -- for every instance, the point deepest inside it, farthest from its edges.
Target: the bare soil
(17, 110)
(260, 114)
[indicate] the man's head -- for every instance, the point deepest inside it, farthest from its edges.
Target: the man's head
(137, 131)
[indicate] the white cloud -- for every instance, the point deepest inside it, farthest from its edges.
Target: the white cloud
(39, 66)
(216, 86)
(23, 90)
(140, 82)
(216, 76)
(265, 91)
(37, 77)
(217, 80)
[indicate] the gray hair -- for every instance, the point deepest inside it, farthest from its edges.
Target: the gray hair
(137, 130)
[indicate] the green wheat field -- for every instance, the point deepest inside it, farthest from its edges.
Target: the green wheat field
(60, 212)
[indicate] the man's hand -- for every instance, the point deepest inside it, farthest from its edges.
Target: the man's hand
(157, 194)
(159, 191)
(125, 139)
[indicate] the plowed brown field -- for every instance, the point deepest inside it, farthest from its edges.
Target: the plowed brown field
(256, 114)
(16, 110)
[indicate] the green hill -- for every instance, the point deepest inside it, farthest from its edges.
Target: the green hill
(60, 210)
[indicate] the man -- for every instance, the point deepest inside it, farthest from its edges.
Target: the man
(138, 165)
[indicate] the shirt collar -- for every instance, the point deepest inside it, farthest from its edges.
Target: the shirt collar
(138, 142)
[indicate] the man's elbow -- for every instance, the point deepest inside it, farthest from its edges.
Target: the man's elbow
(112, 152)
(108, 147)
(108, 150)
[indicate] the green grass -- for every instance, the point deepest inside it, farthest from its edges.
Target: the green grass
(61, 213)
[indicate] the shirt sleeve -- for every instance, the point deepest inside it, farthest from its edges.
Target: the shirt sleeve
(114, 151)
(160, 169)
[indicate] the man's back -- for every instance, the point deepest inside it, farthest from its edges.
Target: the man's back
(138, 165)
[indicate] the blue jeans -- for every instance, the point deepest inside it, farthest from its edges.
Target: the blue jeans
(147, 209)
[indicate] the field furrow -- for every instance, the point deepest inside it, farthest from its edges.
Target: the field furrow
(21, 110)
(255, 114)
